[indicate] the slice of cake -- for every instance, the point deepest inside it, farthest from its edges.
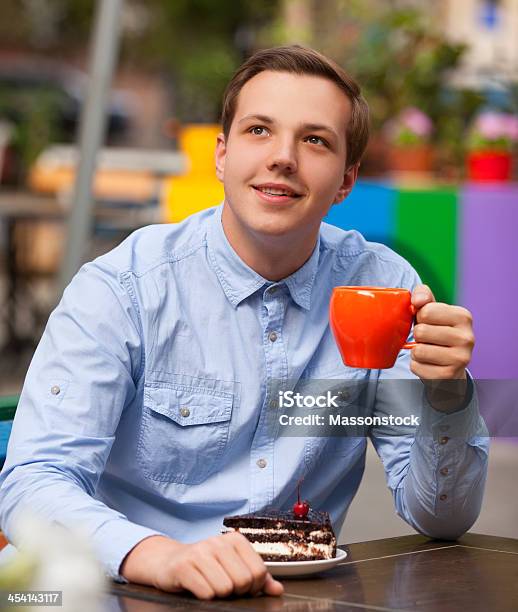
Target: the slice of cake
(283, 536)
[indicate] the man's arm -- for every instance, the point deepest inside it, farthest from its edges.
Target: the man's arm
(437, 483)
(437, 473)
(80, 380)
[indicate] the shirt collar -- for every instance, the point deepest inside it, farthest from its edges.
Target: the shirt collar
(239, 281)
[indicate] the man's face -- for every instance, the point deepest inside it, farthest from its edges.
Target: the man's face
(284, 162)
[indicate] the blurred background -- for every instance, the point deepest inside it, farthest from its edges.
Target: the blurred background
(81, 167)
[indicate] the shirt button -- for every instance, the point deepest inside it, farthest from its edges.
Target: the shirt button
(55, 390)
(262, 463)
(272, 290)
(272, 336)
(444, 471)
(443, 497)
(273, 403)
(443, 440)
(185, 412)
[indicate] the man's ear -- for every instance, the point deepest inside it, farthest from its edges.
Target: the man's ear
(220, 154)
(347, 185)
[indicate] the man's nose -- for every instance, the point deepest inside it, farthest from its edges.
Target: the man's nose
(283, 157)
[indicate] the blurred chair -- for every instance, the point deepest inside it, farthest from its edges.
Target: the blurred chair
(36, 250)
(8, 405)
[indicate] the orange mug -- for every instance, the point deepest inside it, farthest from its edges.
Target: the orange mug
(371, 324)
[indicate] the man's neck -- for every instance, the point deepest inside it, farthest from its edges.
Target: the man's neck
(273, 257)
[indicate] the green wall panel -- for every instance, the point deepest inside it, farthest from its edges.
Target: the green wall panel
(426, 235)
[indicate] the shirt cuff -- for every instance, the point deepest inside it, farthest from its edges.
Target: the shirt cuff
(114, 540)
(466, 424)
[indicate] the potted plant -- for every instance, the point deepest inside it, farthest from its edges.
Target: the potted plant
(409, 135)
(490, 143)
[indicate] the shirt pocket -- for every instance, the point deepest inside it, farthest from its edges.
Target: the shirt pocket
(184, 431)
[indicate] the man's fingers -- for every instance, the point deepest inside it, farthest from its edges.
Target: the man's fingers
(272, 586)
(443, 335)
(439, 355)
(214, 573)
(245, 556)
(436, 313)
(253, 561)
(427, 371)
(197, 584)
(219, 567)
(241, 575)
(216, 567)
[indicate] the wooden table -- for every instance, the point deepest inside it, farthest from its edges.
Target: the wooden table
(476, 573)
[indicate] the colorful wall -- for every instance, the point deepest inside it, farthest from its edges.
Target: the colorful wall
(463, 241)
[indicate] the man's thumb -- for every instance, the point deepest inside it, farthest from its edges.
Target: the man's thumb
(421, 295)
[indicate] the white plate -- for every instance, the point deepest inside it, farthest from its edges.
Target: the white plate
(304, 568)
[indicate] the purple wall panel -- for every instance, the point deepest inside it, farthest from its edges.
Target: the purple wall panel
(488, 276)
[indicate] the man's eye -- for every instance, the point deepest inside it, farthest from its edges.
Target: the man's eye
(316, 140)
(258, 130)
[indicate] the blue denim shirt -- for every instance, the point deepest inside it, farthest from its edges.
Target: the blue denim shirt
(145, 408)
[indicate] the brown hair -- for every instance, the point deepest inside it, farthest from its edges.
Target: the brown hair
(303, 60)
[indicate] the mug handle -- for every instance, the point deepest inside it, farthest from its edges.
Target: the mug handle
(409, 345)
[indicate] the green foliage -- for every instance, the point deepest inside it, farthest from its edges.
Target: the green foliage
(199, 44)
(401, 60)
(478, 143)
(407, 138)
(34, 115)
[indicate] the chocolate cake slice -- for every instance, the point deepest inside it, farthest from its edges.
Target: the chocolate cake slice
(282, 536)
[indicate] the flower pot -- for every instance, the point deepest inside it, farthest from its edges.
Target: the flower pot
(489, 166)
(416, 158)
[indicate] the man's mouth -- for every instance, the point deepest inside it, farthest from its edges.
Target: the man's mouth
(280, 192)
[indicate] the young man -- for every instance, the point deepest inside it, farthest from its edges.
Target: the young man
(144, 414)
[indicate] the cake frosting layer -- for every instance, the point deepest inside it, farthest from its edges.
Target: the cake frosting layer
(293, 551)
(281, 519)
(285, 535)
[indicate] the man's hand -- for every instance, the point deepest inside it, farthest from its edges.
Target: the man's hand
(217, 567)
(445, 343)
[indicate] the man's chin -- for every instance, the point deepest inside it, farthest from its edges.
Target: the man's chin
(270, 221)
(274, 226)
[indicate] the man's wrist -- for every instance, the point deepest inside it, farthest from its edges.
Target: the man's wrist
(137, 565)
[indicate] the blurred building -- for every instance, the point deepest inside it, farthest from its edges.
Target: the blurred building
(491, 29)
